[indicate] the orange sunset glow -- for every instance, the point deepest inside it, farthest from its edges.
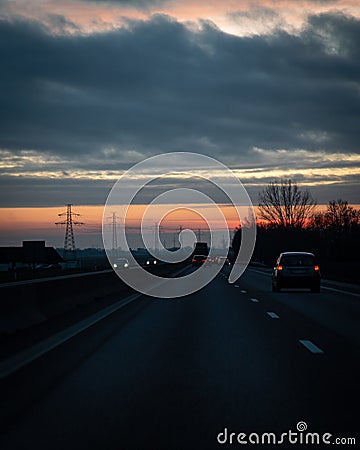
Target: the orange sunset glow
(39, 223)
(35, 221)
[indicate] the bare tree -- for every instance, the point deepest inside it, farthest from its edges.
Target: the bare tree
(283, 205)
(341, 217)
(340, 213)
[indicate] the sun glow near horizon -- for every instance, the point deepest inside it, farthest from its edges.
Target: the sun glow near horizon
(18, 224)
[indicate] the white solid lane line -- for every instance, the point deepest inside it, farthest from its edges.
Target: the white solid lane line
(354, 294)
(24, 357)
(273, 315)
(310, 346)
(341, 291)
(60, 277)
(255, 300)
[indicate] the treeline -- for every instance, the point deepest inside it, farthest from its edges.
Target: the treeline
(287, 221)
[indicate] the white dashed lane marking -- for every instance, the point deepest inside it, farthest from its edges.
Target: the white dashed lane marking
(255, 300)
(273, 315)
(242, 291)
(310, 346)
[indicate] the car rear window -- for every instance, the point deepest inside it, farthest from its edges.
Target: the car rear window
(297, 260)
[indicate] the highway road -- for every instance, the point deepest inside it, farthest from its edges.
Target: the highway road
(185, 373)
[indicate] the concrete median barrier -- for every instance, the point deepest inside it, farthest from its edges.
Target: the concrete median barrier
(25, 304)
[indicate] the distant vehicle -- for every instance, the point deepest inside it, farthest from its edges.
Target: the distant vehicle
(201, 248)
(198, 260)
(223, 260)
(296, 269)
(121, 263)
(151, 261)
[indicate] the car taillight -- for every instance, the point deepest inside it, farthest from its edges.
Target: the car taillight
(280, 268)
(203, 260)
(316, 268)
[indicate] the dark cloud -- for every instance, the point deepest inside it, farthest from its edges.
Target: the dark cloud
(25, 191)
(157, 86)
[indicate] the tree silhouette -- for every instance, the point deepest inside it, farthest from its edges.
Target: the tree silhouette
(283, 205)
(340, 217)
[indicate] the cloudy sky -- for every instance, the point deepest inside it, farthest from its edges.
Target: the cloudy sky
(271, 88)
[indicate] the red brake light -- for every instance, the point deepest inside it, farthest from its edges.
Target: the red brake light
(280, 268)
(316, 268)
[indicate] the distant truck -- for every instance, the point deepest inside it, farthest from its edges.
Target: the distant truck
(201, 248)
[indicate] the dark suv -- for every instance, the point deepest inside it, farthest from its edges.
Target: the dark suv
(296, 269)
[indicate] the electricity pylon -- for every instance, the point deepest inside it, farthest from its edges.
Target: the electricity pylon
(69, 242)
(114, 233)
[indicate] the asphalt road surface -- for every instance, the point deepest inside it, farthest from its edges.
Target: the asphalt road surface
(173, 374)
